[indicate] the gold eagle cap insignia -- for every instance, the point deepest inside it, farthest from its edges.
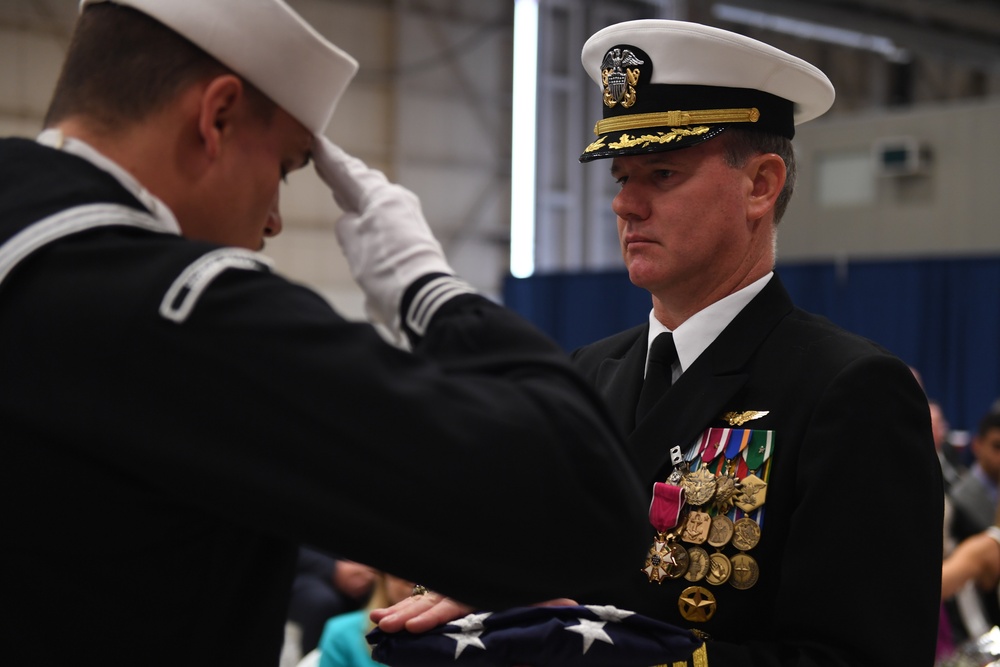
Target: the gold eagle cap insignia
(741, 418)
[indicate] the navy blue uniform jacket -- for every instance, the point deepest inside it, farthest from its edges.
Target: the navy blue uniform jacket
(175, 419)
(850, 547)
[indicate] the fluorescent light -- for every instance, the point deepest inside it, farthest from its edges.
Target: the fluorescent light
(522, 152)
(815, 31)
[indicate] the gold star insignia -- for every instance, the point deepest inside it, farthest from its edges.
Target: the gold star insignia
(696, 604)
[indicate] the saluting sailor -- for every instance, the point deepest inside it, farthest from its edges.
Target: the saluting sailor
(775, 446)
(177, 417)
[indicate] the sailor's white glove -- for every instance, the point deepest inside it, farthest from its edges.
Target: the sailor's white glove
(383, 234)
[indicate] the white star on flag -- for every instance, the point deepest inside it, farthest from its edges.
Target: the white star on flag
(464, 639)
(471, 622)
(591, 630)
(609, 613)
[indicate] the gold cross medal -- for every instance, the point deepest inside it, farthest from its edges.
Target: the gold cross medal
(666, 558)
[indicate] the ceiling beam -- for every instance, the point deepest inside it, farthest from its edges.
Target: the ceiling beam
(923, 39)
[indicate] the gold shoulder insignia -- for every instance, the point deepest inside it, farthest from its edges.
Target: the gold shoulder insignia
(741, 418)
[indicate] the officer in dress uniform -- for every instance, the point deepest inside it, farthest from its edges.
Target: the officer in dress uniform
(177, 417)
(794, 495)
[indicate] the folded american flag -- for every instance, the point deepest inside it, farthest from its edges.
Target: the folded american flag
(576, 636)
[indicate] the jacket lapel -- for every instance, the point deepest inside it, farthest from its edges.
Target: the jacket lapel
(698, 398)
(620, 380)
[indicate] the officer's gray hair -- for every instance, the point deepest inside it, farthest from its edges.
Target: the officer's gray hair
(741, 145)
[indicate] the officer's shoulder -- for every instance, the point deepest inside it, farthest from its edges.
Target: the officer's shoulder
(826, 343)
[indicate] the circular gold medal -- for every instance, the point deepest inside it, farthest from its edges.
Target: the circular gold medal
(721, 530)
(719, 569)
(697, 565)
(745, 571)
(699, 486)
(697, 604)
(746, 534)
(678, 561)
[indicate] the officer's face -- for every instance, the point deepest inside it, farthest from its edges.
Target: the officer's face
(683, 220)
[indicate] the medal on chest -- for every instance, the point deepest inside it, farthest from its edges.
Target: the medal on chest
(666, 558)
(708, 515)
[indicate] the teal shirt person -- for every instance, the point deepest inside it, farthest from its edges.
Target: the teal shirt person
(343, 642)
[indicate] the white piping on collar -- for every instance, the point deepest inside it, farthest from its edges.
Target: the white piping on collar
(71, 221)
(188, 287)
(184, 292)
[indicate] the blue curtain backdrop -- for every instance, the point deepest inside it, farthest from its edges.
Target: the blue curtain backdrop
(940, 316)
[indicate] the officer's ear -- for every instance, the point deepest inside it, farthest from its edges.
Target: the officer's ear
(217, 111)
(767, 177)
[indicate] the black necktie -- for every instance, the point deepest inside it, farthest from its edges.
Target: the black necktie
(659, 373)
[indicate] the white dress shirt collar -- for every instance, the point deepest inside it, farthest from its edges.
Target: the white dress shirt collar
(699, 331)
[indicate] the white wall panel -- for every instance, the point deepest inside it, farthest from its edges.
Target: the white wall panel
(431, 107)
(29, 67)
(951, 209)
